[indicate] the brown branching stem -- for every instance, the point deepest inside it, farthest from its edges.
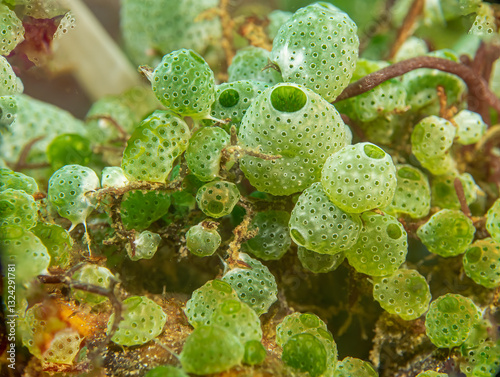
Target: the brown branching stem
(124, 134)
(66, 279)
(478, 87)
(357, 130)
(241, 234)
(407, 27)
(23, 156)
(238, 151)
(459, 188)
(482, 64)
(119, 192)
(113, 197)
(484, 150)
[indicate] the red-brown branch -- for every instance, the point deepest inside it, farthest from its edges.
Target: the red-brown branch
(407, 27)
(459, 188)
(124, 134)
(482, 64)
(23, 156)
(65, 278)
(478, 87)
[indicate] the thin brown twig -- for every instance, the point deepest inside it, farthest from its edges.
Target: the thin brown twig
(65, 278)
(241, 234)
(23, 156)
(113, 122)
(114, 196)
(407, 27)
(236, 149)
(459, 188)
(355, 127)
(478, 88)
(482, 64)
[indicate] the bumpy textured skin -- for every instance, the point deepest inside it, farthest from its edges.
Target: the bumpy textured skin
(249, 64)
(18, 208)
(443, 191)
(441, 165)
(304, 134)
(276, 19)
(297, 323)
(273, 238)
(26, 119)
(305, 353)
(95, 275)
(351, 366)
(10, 179)
(139, 210)
(470, 127)
(11, 28)
(127, 109)
(204, 301)
(482, 262)
(113, 176)
(359, 178)
(321, 226)
(319, 263)
(69, 189)
(202, 241)
(307, 323)
(58, 242)
(204, 152)
(232, 99)
(413, 193)
(184, 83)
(484, 25)
(9, 82)
(217, 199)
(153, 147)
(239, 319)
(143, 320)
(493, 221)
(255, 286)
(382, 245)
(22, 248)
(404, 293)
(421, 85)
(150, 28)
(483, 360)
(450, 319)
(211, 349)
(318, 48)
(447, 233)
(384, 99)
(431, 138)
(62, 348)
(146, 245)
